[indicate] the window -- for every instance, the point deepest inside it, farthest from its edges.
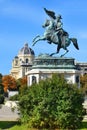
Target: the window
(33, 79)
(26, 60)
(16, 62)
(77, 79)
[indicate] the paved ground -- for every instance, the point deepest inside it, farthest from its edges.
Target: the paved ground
(6, 114)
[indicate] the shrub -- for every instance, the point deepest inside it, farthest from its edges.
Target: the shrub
(51, 104)
(14, 98)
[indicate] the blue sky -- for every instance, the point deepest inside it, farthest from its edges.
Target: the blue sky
(21, 21)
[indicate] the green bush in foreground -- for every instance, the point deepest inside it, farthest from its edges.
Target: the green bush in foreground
(51, 104)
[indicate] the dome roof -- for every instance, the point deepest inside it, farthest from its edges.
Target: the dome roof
(26, 50)
(16, 57)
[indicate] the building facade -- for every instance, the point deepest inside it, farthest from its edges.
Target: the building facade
(82, 67)
(22, 62)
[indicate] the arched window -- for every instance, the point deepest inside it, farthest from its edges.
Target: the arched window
(33, 79)
(16, 62)
(26, 60)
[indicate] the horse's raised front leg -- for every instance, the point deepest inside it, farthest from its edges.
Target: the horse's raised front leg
(38, 38)
(35, 40)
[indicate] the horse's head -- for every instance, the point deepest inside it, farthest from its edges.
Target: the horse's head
(47, 23)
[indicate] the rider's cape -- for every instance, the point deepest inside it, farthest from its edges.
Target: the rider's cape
(50, 13)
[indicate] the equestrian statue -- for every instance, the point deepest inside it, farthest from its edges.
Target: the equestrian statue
(54, 33)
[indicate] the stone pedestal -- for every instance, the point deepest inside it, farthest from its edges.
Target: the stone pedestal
(45, 65)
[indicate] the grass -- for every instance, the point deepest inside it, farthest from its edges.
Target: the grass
(19, 127)
(83, 126)
(8, 125)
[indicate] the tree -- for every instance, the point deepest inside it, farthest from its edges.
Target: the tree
(1, 86)
(52, 103)
(9, 83)
(1, 78)
(22, 83)
(1, 94)
(1, 90)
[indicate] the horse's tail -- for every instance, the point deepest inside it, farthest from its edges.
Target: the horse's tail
(74, 41)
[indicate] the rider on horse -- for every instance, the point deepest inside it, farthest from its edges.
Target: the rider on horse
(54, 33)
(57, 30)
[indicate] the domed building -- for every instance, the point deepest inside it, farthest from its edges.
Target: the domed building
(22, 62)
